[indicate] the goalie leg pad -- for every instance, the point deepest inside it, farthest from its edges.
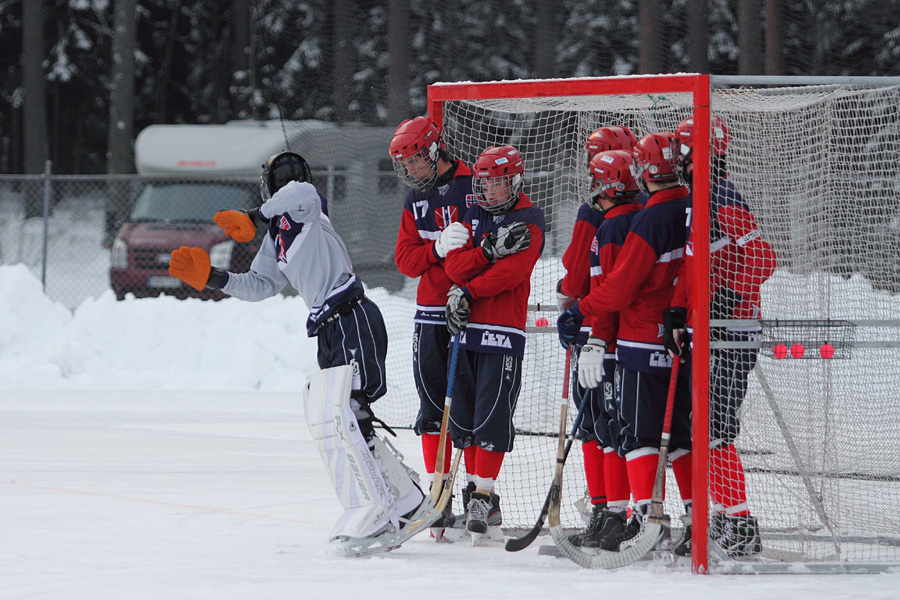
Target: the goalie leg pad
(372, 484)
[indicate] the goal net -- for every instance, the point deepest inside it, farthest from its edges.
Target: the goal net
(818, 168)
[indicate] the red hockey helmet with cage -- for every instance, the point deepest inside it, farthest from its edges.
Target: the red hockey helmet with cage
(497, 178)
(719, 139)
(415, 149)
(611, 177)
(610, 138)
(656, 160)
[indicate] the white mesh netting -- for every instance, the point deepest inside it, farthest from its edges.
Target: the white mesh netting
(818, 168)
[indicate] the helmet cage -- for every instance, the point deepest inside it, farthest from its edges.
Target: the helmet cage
(423, 177)
(498, 205)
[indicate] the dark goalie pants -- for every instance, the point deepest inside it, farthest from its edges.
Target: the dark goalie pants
(431, 354)
(485, 393)
(359, 339)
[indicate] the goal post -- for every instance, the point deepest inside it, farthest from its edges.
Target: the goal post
(817, 162)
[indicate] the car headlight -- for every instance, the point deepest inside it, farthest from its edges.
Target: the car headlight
(118, 255)
(220, 255)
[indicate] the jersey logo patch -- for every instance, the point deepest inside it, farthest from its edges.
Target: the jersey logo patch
(470, 200)
(497, 340)
(284, 224)
(445, 215)
(660, 359)
(595, 246)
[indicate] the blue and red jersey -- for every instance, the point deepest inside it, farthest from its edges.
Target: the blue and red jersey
(605, 249)
(498, 291)
(424, 217)
(739, 258)
(642, 281)
(576, 283)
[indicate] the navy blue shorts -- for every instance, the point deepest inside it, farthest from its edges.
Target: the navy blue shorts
(485, 390)
(641, 400)
(431, 352)
(606, 423)
(358, 339)
(585, 431)
(729, 375)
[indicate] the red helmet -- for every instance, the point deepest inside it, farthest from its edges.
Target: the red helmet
(718, 143)
(610, 138)
(611, 177)
(415, 149)
(497, 178)
(656, 160)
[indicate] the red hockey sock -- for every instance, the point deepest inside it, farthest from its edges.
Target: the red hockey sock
(593, 471)
(430, 442)
(469, 454)
(681, 467)
(429, 450)
(727, 485)
(487, 463)
(641, 465)
(615, 475)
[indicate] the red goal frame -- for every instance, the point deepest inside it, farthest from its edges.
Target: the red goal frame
(698, 85)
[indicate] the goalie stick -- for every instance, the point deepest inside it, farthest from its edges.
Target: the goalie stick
(437, 489)
(637, 547)
(562, 452)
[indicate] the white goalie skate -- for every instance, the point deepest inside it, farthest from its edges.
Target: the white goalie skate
(383, 504)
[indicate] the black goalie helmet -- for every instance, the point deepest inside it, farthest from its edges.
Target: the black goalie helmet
(281, 169)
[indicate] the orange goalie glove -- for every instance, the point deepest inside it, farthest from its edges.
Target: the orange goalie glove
(191, 265)
(237, 225)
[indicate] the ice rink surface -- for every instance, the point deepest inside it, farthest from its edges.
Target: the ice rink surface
(167, 494)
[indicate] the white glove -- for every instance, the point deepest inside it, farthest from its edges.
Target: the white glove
(563, 302)
(454, 236)
(590, 363)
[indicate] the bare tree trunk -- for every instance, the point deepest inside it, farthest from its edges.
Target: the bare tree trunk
(35, 105)
(774, 38)
(398, 68)
(119, 159)
(698, 36)
(651, 37)
(162, 85)
(342, 34)
(119, 150)
(546, 37)
(750, 54)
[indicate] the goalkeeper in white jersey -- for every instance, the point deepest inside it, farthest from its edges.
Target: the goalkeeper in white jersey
(381, 496)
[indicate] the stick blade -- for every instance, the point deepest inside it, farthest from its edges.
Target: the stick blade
(520, 543)
(603, 559)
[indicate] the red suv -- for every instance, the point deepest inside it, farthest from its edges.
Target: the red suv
(168, 214)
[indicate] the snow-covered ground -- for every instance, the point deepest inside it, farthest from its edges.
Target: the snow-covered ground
(123, 475)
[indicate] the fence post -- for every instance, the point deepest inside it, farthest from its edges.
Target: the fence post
(47, 169)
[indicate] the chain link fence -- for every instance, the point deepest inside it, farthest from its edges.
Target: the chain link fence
(84, 235)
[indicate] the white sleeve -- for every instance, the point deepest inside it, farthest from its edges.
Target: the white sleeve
(299, 200)
(264, 279)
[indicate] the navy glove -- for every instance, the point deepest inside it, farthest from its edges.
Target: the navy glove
(568, 325)
(675, 335)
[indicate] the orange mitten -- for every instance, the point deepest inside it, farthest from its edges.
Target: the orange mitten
(191, 265)
(238, 225)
